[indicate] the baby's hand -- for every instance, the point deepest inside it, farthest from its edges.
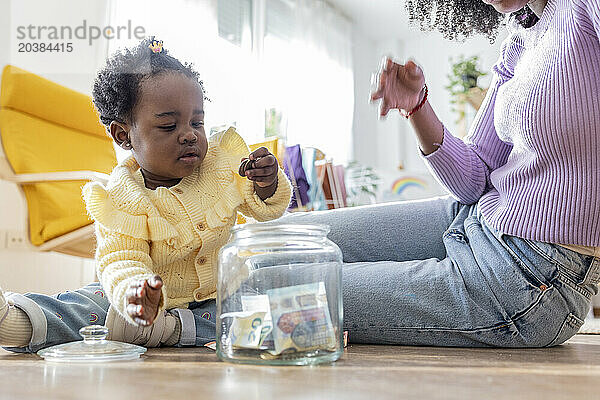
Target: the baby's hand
(261, 168)
(143, 298)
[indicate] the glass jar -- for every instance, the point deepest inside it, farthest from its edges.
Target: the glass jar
(279, 295)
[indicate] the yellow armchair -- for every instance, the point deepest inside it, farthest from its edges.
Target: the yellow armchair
(51, 144)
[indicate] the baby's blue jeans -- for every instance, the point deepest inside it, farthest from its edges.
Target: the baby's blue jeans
(57, 319)
(433, 273)
(428, 272)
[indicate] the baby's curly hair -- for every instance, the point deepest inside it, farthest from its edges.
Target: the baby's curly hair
(116, 87)
(459, 19)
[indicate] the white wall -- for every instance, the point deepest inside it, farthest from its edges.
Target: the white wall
(75, 69)
(433, 52)
(4, 31)
(22, 270)
(364, 123)
(384, 144)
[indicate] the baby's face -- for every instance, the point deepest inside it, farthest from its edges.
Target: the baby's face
(167, 134)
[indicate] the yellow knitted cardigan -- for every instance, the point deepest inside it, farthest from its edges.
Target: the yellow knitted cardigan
(174, 232)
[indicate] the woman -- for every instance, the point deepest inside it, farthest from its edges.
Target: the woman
(514, 257)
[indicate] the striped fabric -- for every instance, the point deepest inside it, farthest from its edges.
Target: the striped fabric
(531, 159)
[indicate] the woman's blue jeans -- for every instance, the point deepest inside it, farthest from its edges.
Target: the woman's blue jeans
(433, 273)
(426, 272)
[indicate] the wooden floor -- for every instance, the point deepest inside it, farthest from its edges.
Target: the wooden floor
(570, 371)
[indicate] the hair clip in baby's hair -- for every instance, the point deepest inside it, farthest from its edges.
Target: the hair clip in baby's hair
(156, 46)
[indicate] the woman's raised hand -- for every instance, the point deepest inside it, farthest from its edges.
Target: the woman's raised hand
(400, 86)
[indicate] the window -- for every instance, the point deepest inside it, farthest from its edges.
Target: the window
(308, 84)
(275, 124)
(271, 67)
(280, 22)
(235, 22)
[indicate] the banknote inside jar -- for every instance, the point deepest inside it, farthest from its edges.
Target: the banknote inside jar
(286, 320)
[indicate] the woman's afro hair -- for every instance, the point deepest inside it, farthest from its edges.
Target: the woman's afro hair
(116, 88)
(459, 19)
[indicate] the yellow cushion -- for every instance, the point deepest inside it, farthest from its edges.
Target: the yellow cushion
(53, 210)
(51, 130)
(39, 97)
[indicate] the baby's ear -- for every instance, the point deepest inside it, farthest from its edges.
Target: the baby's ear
(120, 134)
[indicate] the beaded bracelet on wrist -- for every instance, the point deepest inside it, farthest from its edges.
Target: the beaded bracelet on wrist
(408, 114)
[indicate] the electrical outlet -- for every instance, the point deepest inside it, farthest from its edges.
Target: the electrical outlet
(15, 240)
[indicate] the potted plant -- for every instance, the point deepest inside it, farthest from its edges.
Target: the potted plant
(463, 83)
(361, 184)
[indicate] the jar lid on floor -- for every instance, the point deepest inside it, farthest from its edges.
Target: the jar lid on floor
(93, 348)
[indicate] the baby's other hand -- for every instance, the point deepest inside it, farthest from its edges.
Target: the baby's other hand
(263, 167)
(143, 298)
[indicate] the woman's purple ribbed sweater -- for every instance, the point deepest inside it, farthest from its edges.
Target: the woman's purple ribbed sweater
(532, 158)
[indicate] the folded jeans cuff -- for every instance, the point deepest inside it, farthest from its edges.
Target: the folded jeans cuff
(188, 326)
(36, 317)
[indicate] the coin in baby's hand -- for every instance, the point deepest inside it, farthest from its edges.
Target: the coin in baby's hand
(245, 166)
(242, 170)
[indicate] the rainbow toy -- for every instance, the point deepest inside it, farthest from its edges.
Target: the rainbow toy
(401, 184)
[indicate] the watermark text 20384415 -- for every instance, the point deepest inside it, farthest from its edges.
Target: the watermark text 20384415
(43, 47)
(44, 33)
